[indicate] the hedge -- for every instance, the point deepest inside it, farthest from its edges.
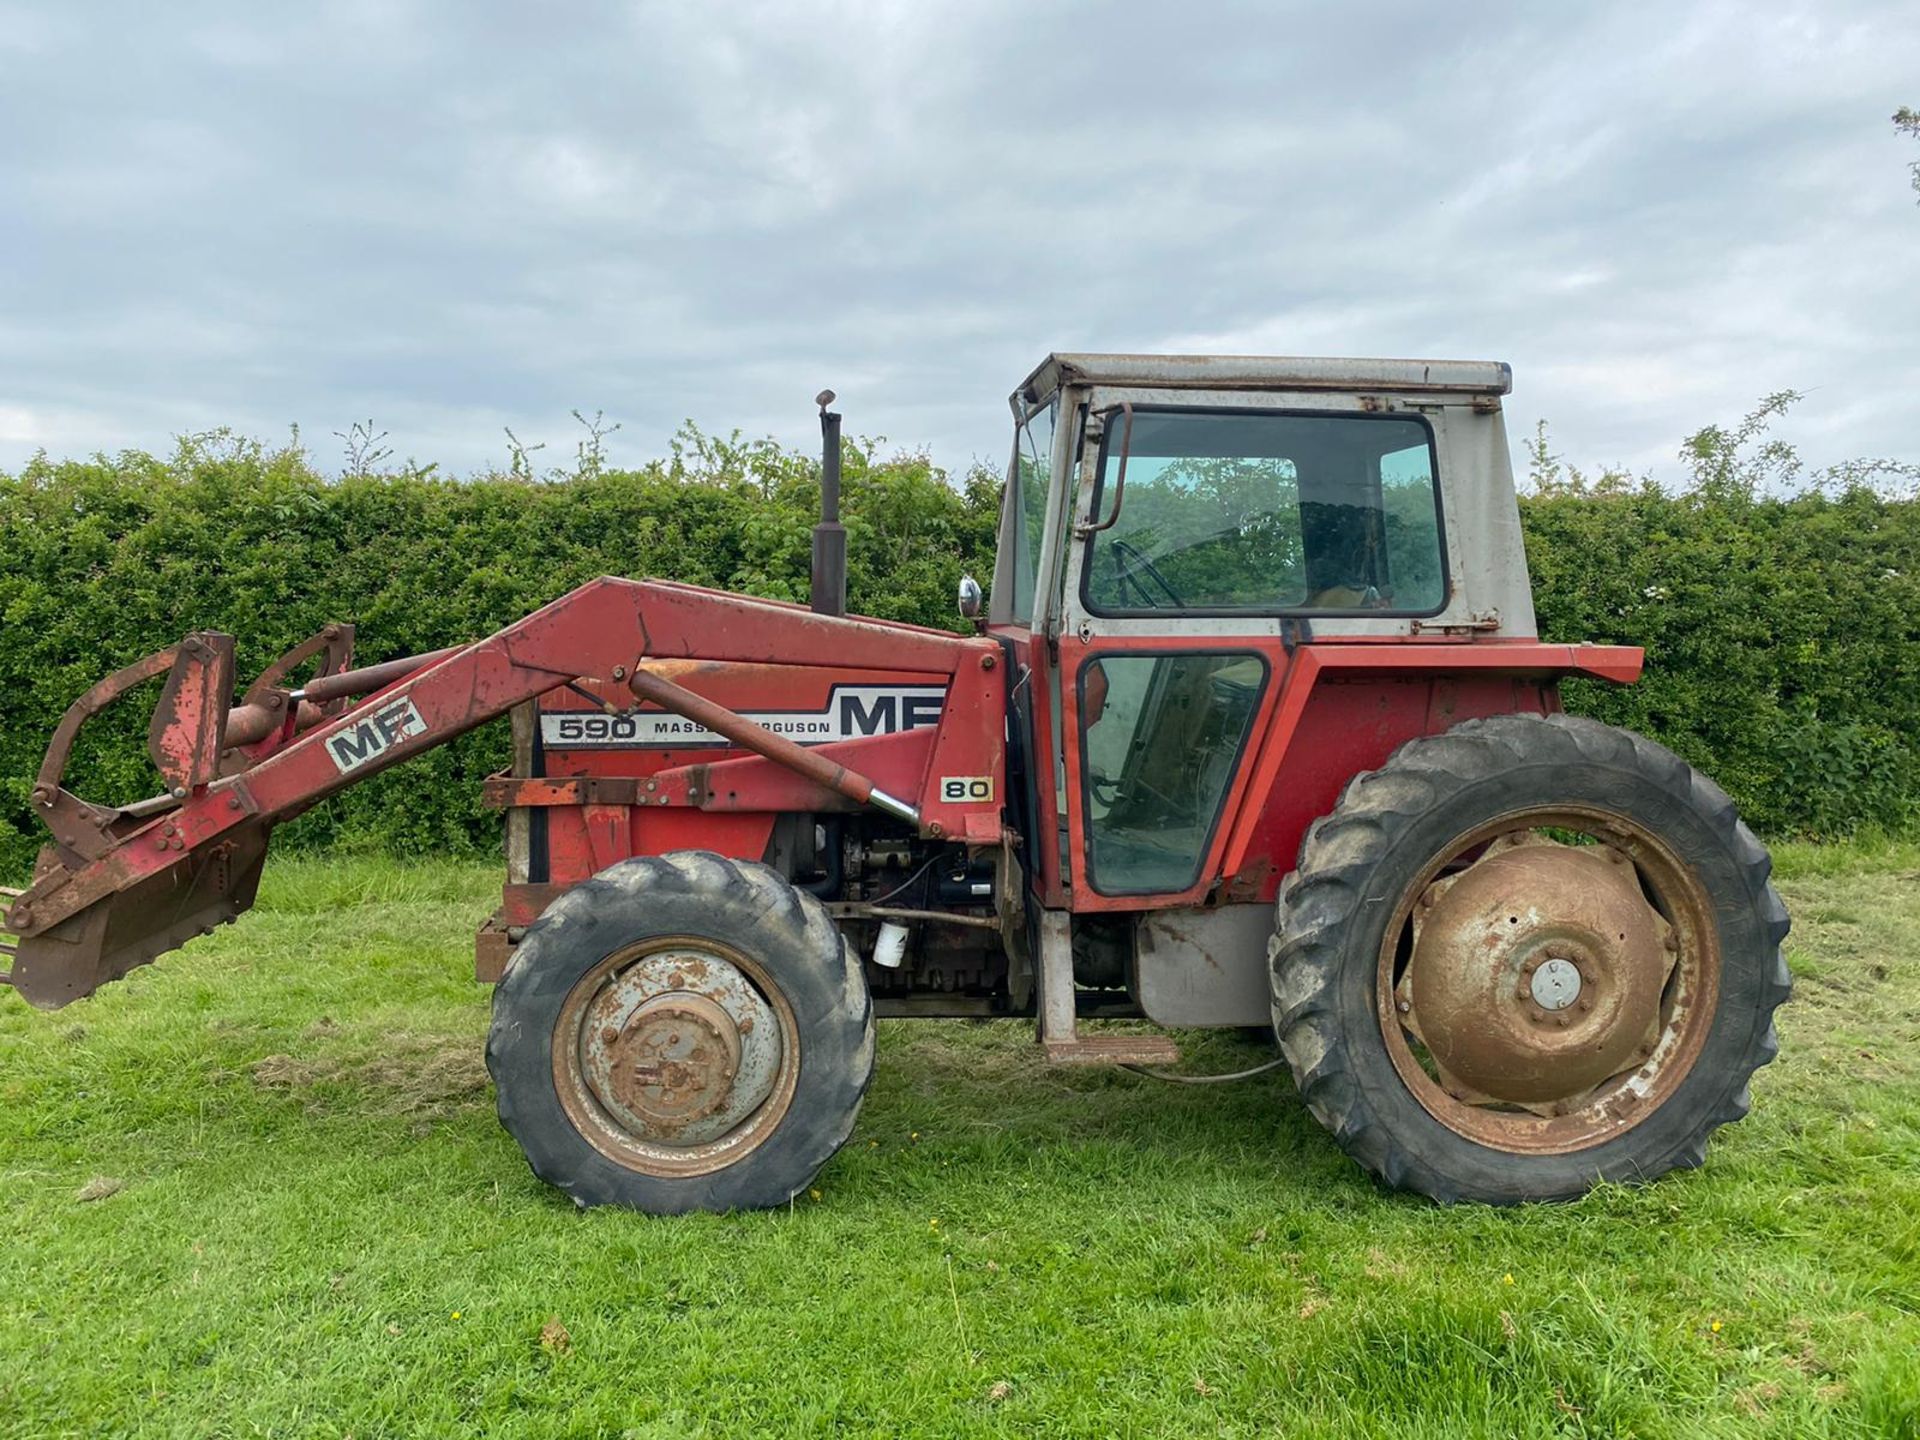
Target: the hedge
(105, 560)
(1781, 629)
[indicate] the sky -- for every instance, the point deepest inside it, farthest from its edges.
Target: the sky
(452, 217)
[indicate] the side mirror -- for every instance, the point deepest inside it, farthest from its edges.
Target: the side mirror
(969, 597)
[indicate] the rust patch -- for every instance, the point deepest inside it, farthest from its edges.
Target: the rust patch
(653, 1062)
(1536, 974)
(673, 1064)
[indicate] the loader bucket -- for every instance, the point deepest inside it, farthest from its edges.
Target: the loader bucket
(124, 884)
(127, 928)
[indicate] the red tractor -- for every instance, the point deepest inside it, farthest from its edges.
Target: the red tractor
(1256, 731)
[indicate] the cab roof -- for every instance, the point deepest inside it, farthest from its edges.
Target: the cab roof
(1265, 372)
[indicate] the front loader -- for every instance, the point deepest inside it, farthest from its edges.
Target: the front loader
(1256, 731)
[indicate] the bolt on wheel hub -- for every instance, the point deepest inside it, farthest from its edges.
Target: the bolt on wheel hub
(1536, 973)
(680, 1048)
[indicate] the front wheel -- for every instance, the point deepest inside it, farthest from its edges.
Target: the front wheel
(681, 1032)
(1527, 955)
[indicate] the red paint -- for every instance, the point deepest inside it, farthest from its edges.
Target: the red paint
(1327, 712)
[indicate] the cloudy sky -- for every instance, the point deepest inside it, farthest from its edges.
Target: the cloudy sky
(453, 217)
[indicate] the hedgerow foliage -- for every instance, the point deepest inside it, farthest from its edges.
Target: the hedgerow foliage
(102, 561)
(1778, 606)
(1780, 611)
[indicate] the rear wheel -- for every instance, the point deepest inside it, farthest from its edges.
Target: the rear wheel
(1527, 955)
(681, 1032)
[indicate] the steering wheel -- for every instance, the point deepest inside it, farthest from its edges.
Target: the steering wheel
(1132, 562)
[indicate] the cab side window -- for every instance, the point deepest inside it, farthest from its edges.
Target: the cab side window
(1236, 512)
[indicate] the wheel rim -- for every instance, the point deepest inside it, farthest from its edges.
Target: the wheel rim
(676, 1056)
(1540, 996)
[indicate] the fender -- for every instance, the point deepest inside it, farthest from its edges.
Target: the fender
(1343, 708)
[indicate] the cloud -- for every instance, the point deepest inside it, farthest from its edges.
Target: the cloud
(454, 217)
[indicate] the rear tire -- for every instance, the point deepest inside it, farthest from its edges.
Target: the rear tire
(712, 955)
(1346, 939)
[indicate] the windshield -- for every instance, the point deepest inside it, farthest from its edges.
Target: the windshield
(1263, 513)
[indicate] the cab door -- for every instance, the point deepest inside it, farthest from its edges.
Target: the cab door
(1210, 535)
(1162, 734)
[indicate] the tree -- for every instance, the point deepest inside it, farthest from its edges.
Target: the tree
(1907, 122)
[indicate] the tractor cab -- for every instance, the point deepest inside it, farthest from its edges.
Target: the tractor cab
(1248, 492)
(1173, 529)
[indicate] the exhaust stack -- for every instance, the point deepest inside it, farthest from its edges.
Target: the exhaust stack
(829, 595)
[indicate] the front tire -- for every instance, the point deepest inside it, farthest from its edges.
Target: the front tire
(682, 1032)
(1525, 956)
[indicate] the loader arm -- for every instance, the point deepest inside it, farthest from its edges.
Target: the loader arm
(123, 885)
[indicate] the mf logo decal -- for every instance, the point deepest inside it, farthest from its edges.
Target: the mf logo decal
(966, 789)
(367, 741)
(851, 711)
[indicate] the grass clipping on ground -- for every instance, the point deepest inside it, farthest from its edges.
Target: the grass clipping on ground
(258, 1189)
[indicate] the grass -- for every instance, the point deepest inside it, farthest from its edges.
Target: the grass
(308, 1223)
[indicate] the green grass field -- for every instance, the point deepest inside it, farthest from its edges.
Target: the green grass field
(259, 1189)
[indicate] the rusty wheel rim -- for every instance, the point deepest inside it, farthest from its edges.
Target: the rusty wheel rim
(1520, 1019)
(676, 1056)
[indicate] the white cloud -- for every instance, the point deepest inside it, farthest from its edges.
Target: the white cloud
(456, 216)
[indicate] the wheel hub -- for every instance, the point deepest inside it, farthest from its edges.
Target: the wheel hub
(1536, 973)
(1556, 984)
(680, 1048)
(676, 1060)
